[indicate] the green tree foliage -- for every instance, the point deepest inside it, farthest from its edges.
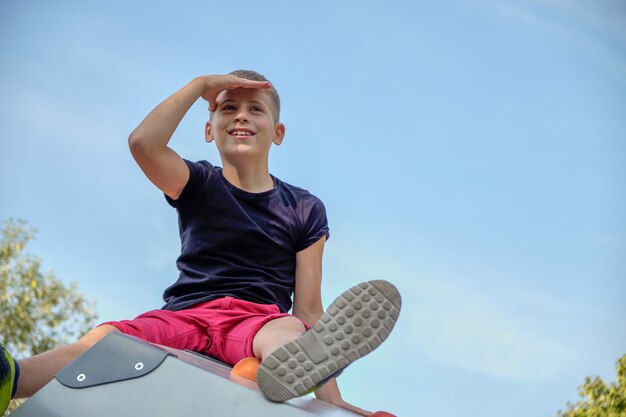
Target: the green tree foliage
(600, 400)
(37, 310)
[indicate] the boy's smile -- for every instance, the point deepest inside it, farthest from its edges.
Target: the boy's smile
(241, 132)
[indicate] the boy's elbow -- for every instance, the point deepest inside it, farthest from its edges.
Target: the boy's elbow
(136, 143)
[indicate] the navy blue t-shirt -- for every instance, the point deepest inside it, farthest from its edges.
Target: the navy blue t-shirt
(240, 244)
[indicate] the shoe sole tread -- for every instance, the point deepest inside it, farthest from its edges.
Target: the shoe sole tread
(356, 323)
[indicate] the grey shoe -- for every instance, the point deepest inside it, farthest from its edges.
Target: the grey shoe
(356, 323)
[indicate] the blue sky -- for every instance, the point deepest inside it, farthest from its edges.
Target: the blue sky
(473, 153)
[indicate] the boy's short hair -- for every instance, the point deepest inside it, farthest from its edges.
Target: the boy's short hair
(255, 76)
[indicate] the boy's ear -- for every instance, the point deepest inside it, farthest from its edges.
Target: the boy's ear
(207, 133)
(279, 134)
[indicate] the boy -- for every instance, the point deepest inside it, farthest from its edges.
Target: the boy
(249, 241)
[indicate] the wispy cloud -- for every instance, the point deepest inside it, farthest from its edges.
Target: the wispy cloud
(481, 332)
(505, 330)
(50, 118)
(596, 28)
(75, 132)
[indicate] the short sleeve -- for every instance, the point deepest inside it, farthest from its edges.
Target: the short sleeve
(199, 173)
(315, 223)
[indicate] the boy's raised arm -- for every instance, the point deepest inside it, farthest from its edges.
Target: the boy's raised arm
(148, 142)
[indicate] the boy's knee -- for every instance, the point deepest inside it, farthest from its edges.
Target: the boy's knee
(94, 335)
(288, 325)
(276, 333)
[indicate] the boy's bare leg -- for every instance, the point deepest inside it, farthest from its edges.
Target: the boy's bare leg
(37, 371)
(274, 334)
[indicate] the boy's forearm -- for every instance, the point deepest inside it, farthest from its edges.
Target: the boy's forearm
(156, 130)
(308, 317)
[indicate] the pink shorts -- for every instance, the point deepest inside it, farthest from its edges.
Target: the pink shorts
(222, 328)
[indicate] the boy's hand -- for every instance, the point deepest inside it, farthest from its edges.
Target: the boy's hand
(329, 392)
(350, 407)
(215, 84)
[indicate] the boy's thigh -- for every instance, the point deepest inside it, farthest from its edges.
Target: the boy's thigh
(238, 323)
(224, 328)
(177, 329)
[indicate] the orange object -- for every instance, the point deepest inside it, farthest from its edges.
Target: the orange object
(382, 414)
(246, 368)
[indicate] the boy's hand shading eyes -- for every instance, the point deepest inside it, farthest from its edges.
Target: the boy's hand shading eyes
(215, 84)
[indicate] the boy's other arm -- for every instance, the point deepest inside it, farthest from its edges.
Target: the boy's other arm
(148, 142)
(307, 306)
(307, 300)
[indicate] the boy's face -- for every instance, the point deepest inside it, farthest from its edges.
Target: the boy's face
(243, 125)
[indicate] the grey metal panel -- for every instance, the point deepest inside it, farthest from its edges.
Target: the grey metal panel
(183, 385)
(114, 358)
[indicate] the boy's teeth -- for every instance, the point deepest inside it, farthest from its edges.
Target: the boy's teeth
(241, 133)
